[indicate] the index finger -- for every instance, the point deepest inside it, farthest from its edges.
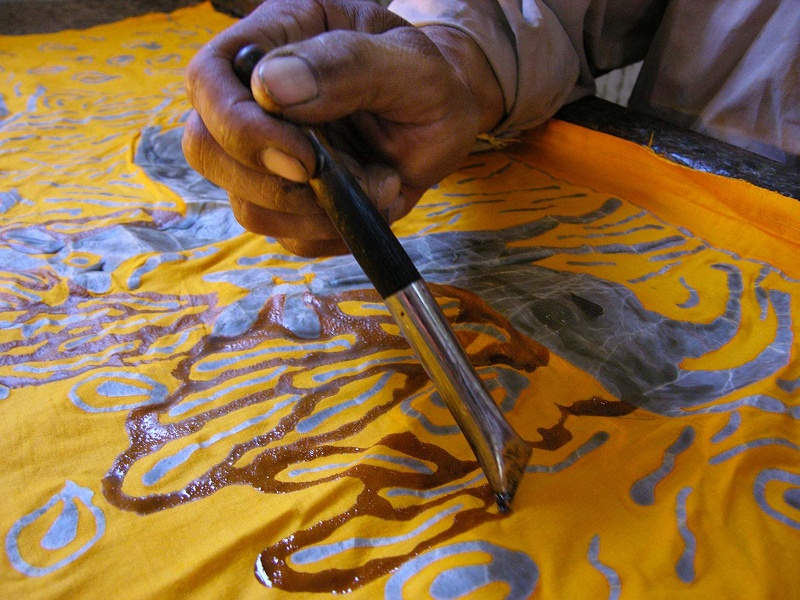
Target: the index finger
(231, 115)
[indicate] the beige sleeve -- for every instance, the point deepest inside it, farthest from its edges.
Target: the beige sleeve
(730, 70)
(531, 54)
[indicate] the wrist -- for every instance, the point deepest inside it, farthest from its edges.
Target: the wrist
(472, 67)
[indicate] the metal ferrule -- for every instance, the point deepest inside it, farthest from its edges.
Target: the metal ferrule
(501, 452)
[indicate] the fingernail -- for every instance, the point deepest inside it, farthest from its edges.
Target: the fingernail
(288, 80)
(283, 165)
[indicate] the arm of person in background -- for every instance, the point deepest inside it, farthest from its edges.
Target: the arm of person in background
(404, 102)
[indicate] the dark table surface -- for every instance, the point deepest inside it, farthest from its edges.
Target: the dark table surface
(682, 145)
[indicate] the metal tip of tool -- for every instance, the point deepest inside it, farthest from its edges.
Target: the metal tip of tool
(502, 454)
(503, 502)
(515, 455)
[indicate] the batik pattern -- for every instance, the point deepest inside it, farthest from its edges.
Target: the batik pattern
(188, 410)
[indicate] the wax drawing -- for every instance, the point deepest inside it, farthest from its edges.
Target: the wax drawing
(165, 375)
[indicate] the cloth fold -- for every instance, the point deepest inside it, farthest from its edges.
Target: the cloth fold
(728, 70)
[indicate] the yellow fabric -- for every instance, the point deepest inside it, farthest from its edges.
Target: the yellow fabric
(187, 412)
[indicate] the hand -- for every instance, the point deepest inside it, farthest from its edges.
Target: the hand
(404, 103)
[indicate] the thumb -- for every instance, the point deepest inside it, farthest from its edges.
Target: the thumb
(338, 73)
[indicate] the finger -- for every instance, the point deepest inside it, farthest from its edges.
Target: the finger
(209, 159)
(313, 228)
(381, 183)
(236, 121)
(314, 248)
(271, 206)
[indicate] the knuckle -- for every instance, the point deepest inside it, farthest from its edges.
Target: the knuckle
(245, 214)
(189, 79)
(192, 141)
(195, 72)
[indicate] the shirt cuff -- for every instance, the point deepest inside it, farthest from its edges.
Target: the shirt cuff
(531, 55)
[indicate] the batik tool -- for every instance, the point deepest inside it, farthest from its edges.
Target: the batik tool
(500, 451)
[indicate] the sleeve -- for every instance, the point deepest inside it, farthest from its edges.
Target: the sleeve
(531, 54)
(728, 70)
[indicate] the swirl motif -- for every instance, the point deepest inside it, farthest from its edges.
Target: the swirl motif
(787, 511)
(66, 538)
(133, 305)
(513, 569)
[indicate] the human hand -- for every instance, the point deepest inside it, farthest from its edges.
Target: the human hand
(403, 103)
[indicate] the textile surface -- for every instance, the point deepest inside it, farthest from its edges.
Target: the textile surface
(188, 411)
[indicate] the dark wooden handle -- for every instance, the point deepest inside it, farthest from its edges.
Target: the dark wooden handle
(366, 233)
(246, 60)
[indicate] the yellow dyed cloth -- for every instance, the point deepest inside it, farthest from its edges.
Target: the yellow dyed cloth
(188, 412)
